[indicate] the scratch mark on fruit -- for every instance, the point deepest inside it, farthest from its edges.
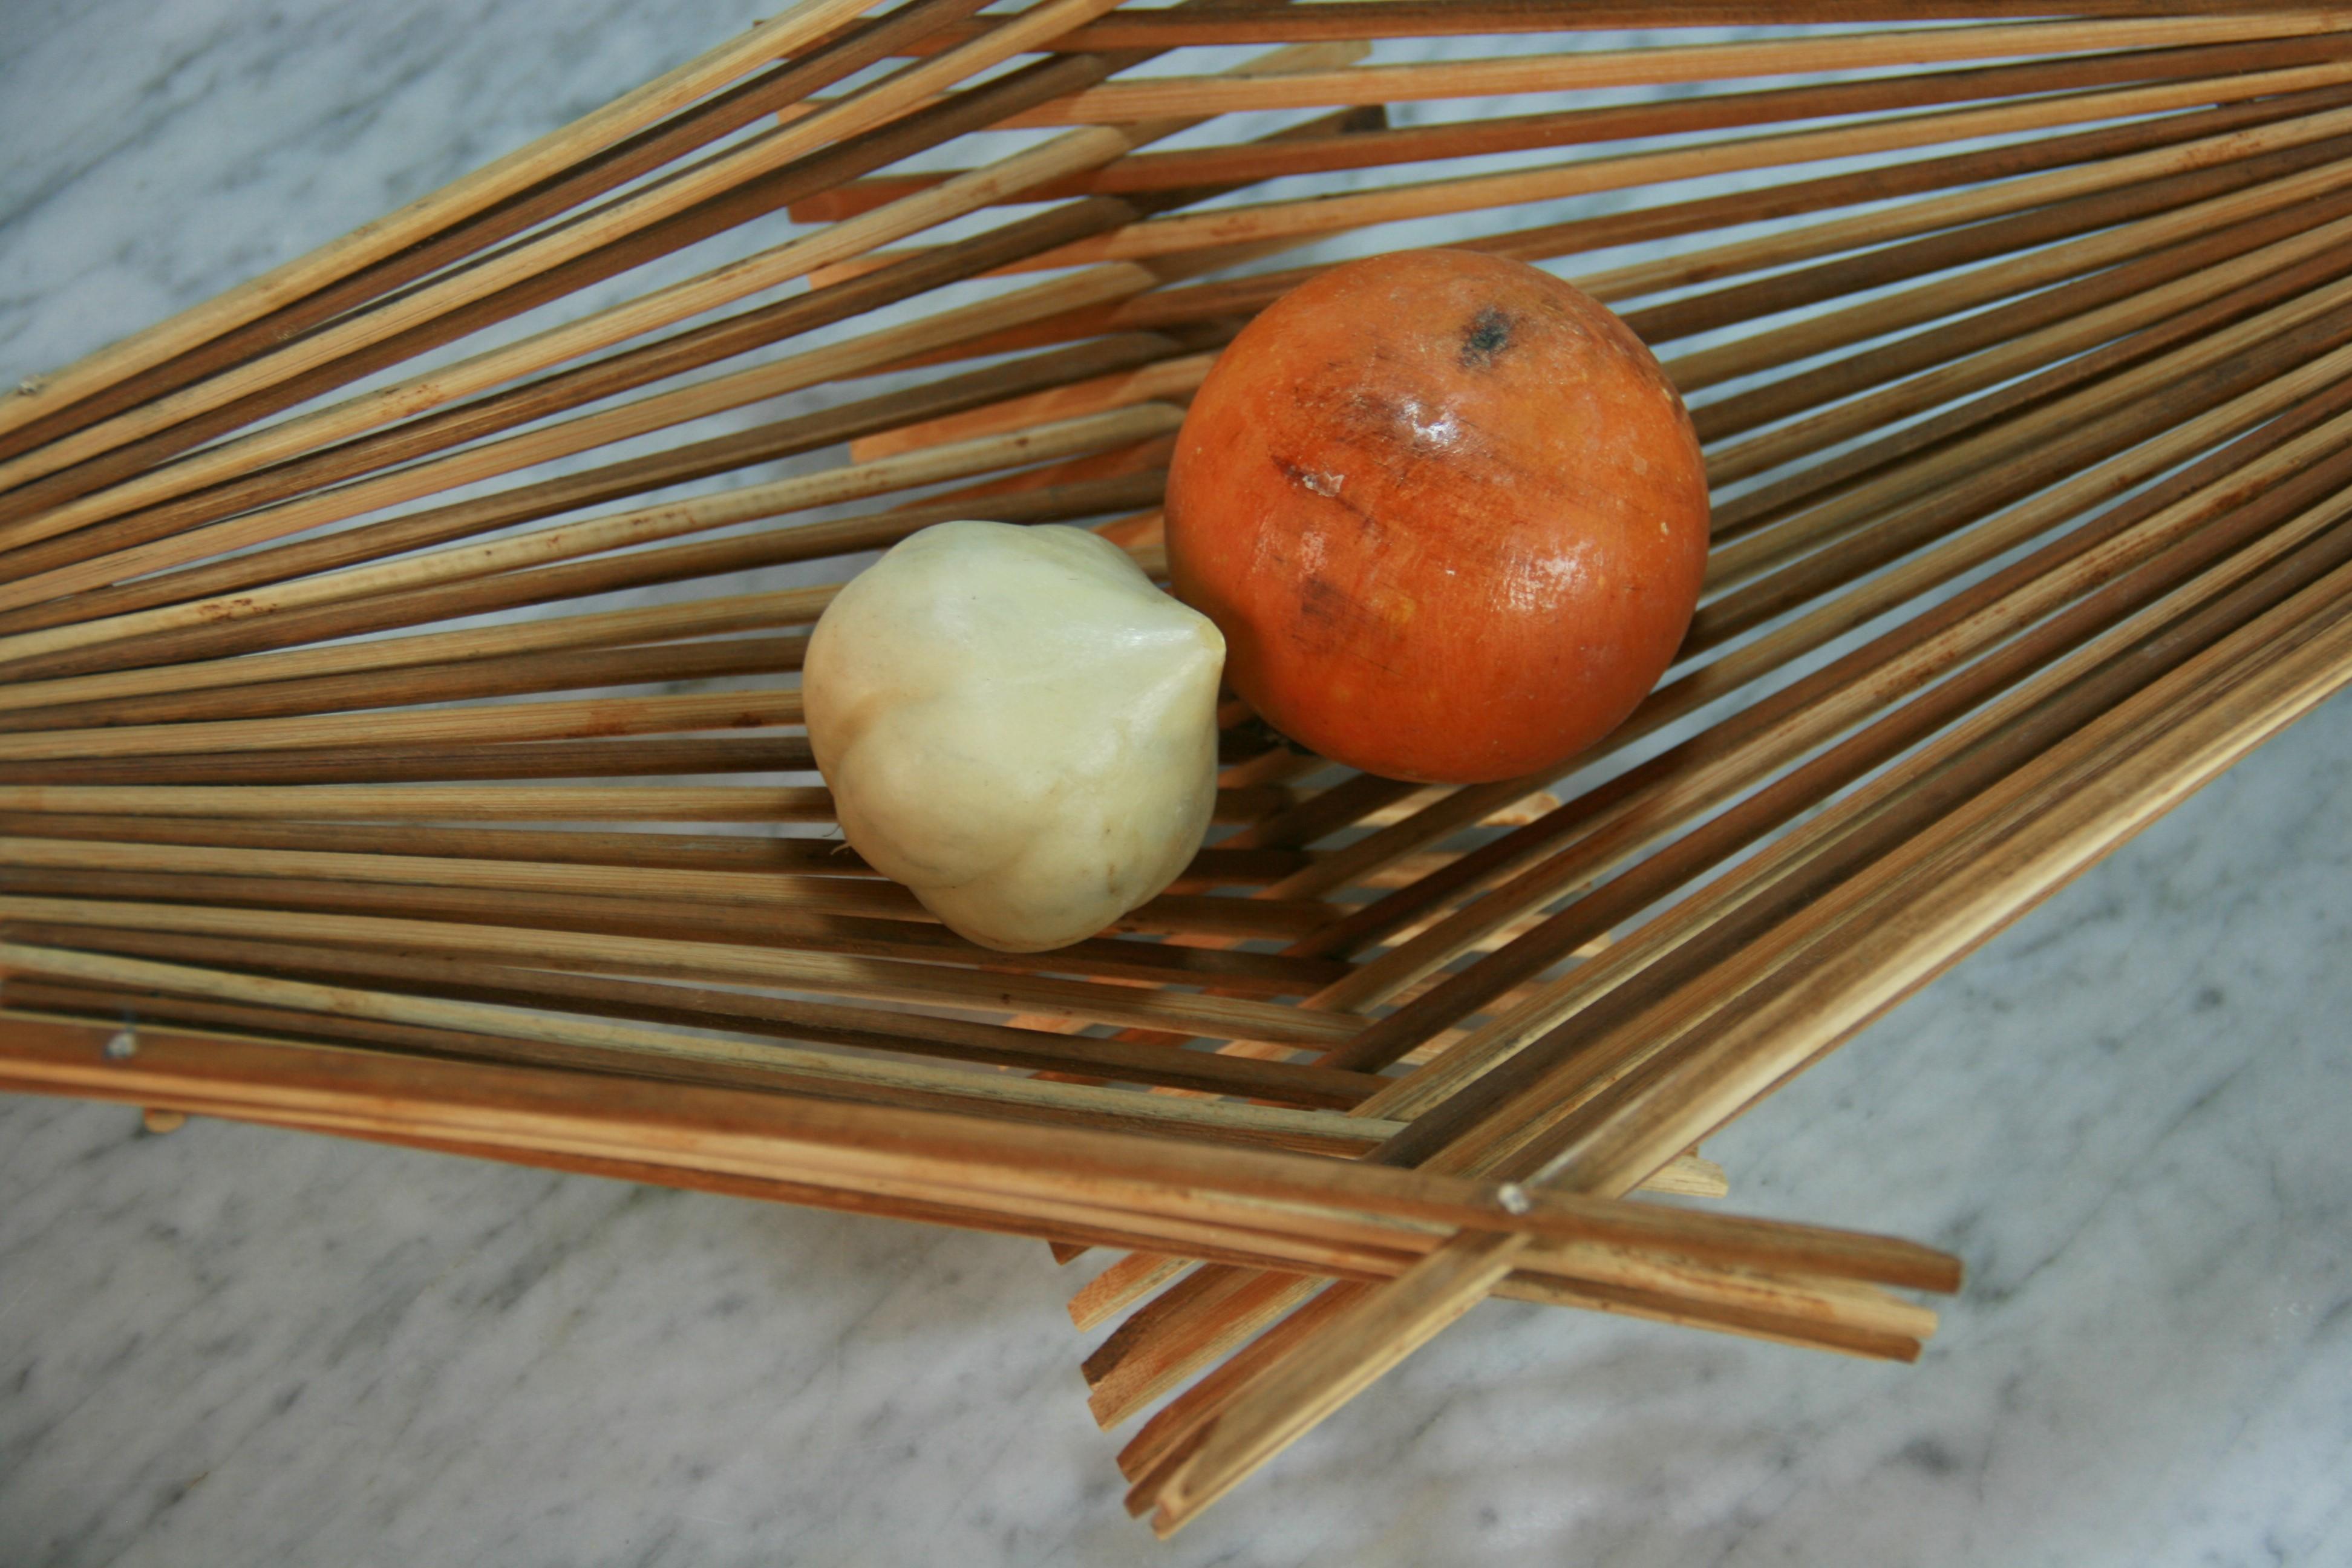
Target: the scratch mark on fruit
(1438, 430)
(1308, 478)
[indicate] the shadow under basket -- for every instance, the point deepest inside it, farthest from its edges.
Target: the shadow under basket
(389, 745)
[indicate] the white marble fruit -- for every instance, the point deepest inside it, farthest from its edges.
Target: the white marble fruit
(1018, 726)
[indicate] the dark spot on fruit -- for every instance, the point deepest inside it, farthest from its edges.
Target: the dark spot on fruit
(1319, 601)
(1489, 335)
(1333, 619)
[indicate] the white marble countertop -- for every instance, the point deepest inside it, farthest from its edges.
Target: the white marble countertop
(2132, 1114)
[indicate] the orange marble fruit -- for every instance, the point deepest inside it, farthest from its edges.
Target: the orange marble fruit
(1448, 512)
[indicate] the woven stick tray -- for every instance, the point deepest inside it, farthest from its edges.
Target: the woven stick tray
(373, 761)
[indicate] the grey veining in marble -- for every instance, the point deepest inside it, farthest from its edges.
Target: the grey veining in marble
(2132, 1114)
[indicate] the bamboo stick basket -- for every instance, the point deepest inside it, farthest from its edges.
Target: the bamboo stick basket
(377, 757)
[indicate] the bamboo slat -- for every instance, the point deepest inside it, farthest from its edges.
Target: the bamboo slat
(391, 747)
(803, 25)
(1586, 69)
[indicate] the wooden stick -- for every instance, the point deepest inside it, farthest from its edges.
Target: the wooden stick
(141, 1011)
(1316, 1379)
(552, 346)
(1217, 1017)
(1171, 1435)
(824, 922)
(596, 429)
(544, 497)
(159, 661)
(808, 1195)
(1139, 1274)
(1055, 1220)
(776, 89)
(801, 25)
(1178, 309)
(1855, 556)
(1992, 859)
(1028, 1050)
(779, 89)
(820, 1139)
(2179, 289)
(2027, 719)
(2297, 403)
(1227, 24)
(714, 892)
(1251, 1244)
(1148, 97)
(1007, 178)
(1255, 225)
(2242, 140)
(687, 1149)
(835, 915)
(1701, 928)
(1488, 135)
(613, 374)
(2034, 594)
(1127, 1280)
(1174, 1434)
(505, 721)
(667, 757)
(681, 851)
(539, 255)
(1214, 865)
(144, 540)
(1032, 1217)
(831, 1067)
(2098, 420)
(1428, 1131)
(1477, 193)
(1360, 1339)
(1791, 199)
(615, 531)
(1246, 973)
(2012, 275)
(1777, 1327)
(2154, 210)
(2243, 647)
(636, 367)
(406, 802)
(1577, 1259)
(1048, 1216)
(1169, 381)
(506, 676)
(1339, 806)
(1879, 669)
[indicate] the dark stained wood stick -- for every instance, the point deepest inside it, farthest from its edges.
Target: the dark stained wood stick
(577, 578)
(1214, 865)
(546, 497)
(745, 103)
(592, 141)
(1583, 127)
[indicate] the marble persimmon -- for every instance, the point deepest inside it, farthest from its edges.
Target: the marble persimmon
(1448, 512)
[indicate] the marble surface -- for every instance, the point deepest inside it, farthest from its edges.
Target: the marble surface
(2132, 1114)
